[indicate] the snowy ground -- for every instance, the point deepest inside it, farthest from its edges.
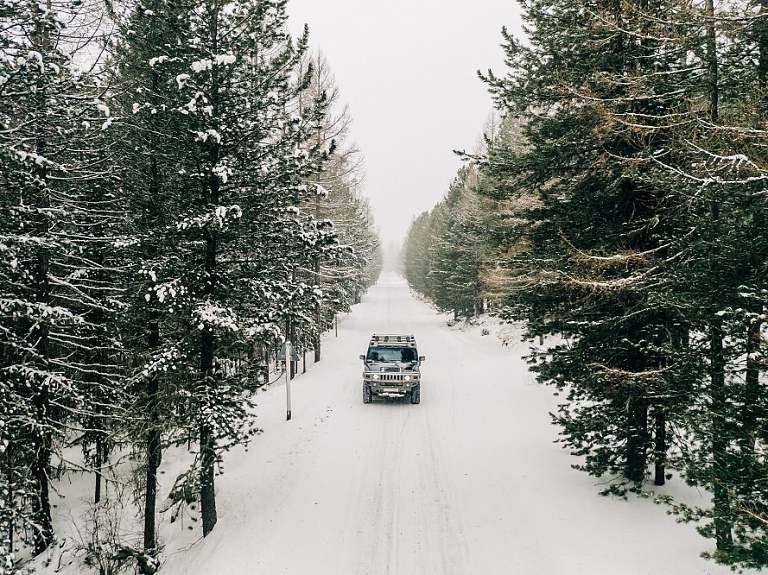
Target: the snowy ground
(467, 482)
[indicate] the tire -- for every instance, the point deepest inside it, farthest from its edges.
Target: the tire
(416, 394)
(367, 395)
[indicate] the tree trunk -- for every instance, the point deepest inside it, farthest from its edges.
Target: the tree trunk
(660, 447)
(751, 391)
(637, 433)
(97, 470)
(318, 327)
(207, 490)
(42, 503)
(154, 434)
(97, 355)
(317, 338)
(761, 39)
(721, 500)
(712, 64)
(42, 436)
(42, 440)
(207, 442)
(7, 466)
(292, 335)
(153, 456)
(207, 352)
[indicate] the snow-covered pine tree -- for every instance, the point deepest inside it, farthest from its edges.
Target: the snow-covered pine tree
(353, 268)
(342, 270)
(97, 273)
(716, 164)
(255, 148)
(416, 253)
(54, 296)
(705, 151)
(457, 253)
(152, 150)
(458, 256)
(219, 124)
(367, 258)
(672, 136)
(505, 268)
(595, 234)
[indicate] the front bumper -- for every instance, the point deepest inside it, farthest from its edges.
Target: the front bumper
(391, 384)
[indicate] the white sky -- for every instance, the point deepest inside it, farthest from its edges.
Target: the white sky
(407, 69)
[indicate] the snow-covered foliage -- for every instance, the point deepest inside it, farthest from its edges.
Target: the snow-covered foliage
(628, 220)
(443, 254)
(58, 291)
(154, 217)
(225, 145)
(334, 207)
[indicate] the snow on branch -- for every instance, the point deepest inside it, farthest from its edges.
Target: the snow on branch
(161, 362)
(165, 290)
(207, 63)
(209, 314)
(220, 218)
(623, 374)
(618, 258)
(612, 284)
(735, 161)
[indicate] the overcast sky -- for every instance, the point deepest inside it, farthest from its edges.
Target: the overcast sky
(408, 70)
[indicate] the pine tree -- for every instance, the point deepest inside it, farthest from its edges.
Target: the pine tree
(211, 106)
(349, 258)
(152, 160)
(55, 291)
(457, 250)
(642, 246)
(595, 239)
(416, 262)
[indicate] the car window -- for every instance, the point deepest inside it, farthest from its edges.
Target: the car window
(385, 354)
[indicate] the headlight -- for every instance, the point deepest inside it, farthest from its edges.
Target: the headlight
(375, 376)
(407, 378)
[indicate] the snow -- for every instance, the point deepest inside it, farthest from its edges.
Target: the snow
(221, 216)
(468, 481)
(210, 314)
(157, 60)
(102, 107)
(209, 133)
(201, 65)
(181, 80)
(226, 59)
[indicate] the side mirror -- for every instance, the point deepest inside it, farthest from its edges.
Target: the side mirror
(362, 357)
(422, 358)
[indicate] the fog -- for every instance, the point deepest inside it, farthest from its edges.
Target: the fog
(408, 70)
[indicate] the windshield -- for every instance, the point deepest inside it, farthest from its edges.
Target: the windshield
(402, 354)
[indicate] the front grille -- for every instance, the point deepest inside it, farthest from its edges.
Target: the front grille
(383, 377)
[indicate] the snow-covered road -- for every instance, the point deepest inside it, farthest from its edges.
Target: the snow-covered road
(467, 482)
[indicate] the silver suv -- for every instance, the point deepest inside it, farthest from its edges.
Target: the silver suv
(392, 367)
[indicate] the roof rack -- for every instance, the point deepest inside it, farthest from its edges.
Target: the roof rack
(392, 339)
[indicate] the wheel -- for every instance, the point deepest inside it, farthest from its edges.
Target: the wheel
(367, 396)
(416, 394)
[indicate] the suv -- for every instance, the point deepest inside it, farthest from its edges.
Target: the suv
(392, 367)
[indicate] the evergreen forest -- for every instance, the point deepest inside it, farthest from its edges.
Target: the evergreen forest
(618, 211)
(178, 198)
